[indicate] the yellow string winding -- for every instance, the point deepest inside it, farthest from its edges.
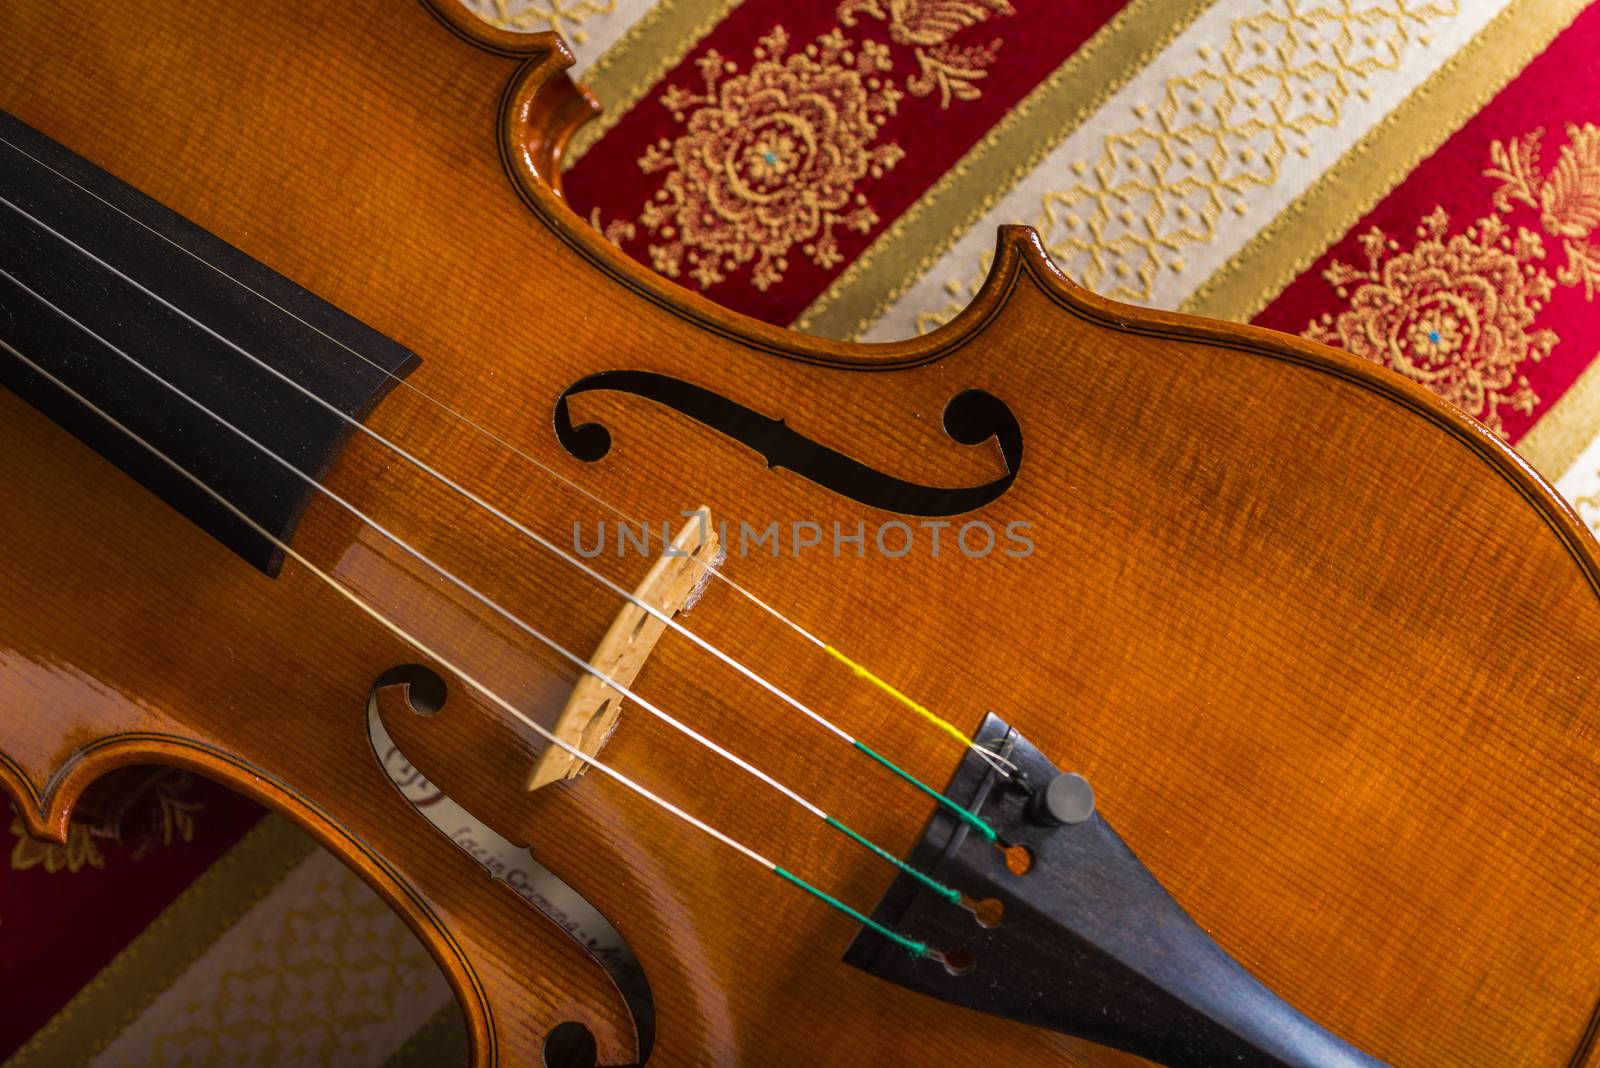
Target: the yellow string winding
(862, 673)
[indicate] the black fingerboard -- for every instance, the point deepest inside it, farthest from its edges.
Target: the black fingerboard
(67, 229)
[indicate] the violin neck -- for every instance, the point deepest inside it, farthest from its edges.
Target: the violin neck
(105, 292)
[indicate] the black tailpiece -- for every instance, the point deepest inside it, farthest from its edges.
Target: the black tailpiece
(1089, 944)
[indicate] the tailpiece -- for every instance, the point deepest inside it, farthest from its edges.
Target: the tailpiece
(1089, 943)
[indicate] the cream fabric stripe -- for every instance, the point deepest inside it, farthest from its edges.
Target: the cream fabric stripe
(1371, 170)
(1563, 431)
(165, 949)
(320, 972)
(590, 27)
(1581, 484)
(1206, 146)
(639, 58)
(1013, 148)
(439, 1043)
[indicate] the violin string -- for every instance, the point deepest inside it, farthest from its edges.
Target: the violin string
(913, 946)
(532, 535)
(583, 665)
(857, 670)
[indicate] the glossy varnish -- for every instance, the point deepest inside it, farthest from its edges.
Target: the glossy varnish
(1327, 650)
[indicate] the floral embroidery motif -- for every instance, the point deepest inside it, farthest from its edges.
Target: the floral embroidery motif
(79, 852)
(156, 812)
(928, 26)
(1589, 508)
(770, 159)
(616, 231)
(532, 16)
(1453, 313)
(1568, 199)
(1457, 313)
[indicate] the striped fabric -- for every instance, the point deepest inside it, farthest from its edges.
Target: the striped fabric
(1417, 181)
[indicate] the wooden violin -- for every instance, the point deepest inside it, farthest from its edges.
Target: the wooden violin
(346, 465)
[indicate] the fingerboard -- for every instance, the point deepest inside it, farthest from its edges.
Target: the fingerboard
(137, 309)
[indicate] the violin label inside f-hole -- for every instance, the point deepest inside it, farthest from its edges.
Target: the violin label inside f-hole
(532, 881)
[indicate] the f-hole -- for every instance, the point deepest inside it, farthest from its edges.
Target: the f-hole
(570, 1045)
(971, 418)
(426, 690)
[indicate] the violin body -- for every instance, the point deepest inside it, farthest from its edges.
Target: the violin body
(1329, 652)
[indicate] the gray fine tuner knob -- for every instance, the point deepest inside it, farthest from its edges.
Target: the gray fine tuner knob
(1067, 799)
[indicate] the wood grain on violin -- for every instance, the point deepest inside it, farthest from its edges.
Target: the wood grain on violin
(1327, 650)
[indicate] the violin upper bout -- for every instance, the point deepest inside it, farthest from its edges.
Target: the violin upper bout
(543, 106)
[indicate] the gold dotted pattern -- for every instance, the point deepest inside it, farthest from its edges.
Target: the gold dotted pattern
(1183, 165)
(313, 990)
(535, 16)
(1589, 507)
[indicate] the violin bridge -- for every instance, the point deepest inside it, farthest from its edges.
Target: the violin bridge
(591, 711)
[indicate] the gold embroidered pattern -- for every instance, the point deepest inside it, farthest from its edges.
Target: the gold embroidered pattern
(928, 26)
(533, 16)
(1568, 198)
(317, 983)
(80, 851)
(177, 821)
(158, 813)
(770, 159)
(1457, 313)
(1167, 174)
(1588, 508)
(1452, 313)
(617, 231)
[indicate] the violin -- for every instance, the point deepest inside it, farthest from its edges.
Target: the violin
(1073, 684)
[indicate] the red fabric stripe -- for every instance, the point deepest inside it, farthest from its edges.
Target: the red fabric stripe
(1033, 41)
(59, 929)
(1449, 285)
